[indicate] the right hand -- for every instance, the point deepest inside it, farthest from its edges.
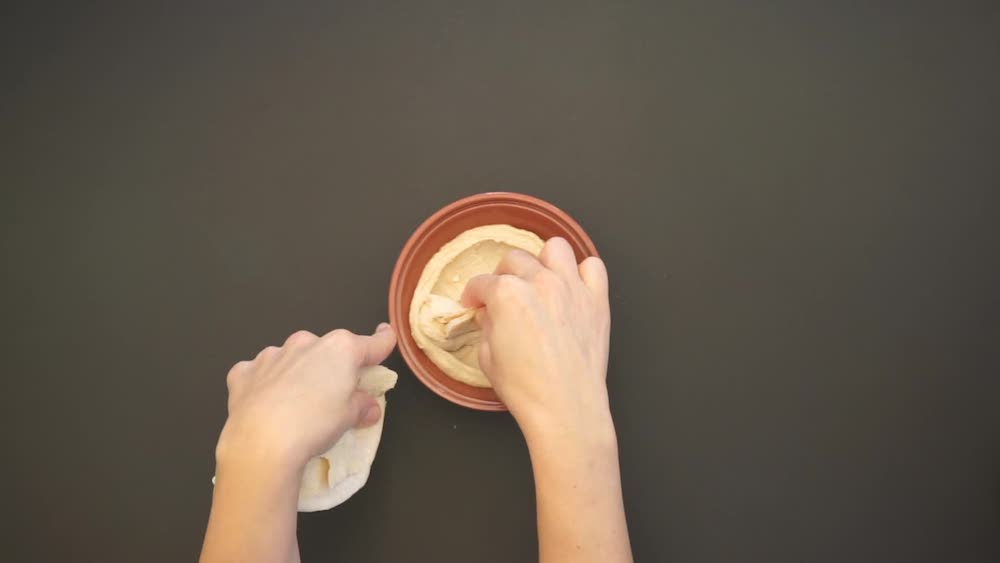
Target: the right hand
(545, 329)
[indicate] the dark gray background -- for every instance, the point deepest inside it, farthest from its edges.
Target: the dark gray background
(797, 202)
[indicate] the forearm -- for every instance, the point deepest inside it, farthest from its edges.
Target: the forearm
(581, 516)
(254, 511)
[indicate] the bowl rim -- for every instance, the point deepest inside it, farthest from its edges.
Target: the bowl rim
(408, 348)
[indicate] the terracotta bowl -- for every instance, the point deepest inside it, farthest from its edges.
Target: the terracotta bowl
(518, 210)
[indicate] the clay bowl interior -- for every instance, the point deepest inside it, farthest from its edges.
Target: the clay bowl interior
(518, 210)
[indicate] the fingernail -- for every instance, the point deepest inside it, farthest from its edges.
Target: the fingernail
(382, 326)
(370, 416)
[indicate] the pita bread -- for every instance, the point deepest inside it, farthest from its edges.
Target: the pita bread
(336, 475)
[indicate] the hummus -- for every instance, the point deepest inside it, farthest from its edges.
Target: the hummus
(445, 330)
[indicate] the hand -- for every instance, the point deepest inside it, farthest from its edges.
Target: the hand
(293, 402)
(545, 331)
(544, 347)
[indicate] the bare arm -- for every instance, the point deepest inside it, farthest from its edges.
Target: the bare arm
(253, 512)
(285, 406)
(578, 494)
(546, 326)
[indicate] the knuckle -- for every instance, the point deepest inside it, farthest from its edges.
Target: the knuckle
(300, 338)
(234, 373)
(341, 341)
(266, 353)
(508, 286)
(339, 337)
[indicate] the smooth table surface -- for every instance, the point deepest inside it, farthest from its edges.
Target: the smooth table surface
(797, 202)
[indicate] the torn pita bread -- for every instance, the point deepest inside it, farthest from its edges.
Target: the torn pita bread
(336, 475)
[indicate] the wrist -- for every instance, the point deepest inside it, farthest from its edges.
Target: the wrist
(582, 413)
(591, 432)
(238, 448)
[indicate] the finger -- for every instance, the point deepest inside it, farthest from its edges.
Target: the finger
(594, 274)
(376, 348)
(479, 290)
(483, 320)
(485, 358)
(362, 410)
(557, 255)
(519, 263)
(370, 416)
(487, 289)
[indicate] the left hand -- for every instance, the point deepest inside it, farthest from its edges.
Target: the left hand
(293, 402)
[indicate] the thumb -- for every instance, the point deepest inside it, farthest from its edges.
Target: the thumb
(362, 410)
